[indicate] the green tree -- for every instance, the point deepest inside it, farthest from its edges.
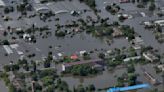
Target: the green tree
(101, 55)
(152, 7)
(12, 88)
(80, 88)
(7, 68)
(48, 80)
(91, 88)
(131, 69)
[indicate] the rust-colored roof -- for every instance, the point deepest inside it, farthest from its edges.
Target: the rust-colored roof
(74, 57)
(81, 62)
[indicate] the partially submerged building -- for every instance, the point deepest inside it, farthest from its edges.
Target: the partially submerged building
(125, 16)
(16, 47)
(150, 56)
(8, 49)
(41, 8)
(148, 24)
(161, 67)
(73, 8)
(27, 37)
(138, 40)
(137, 43)
(117, 32)
(2, 4)
(150, 78)
(159, 22)
(82, 52)
(66, 66)
(132, 58)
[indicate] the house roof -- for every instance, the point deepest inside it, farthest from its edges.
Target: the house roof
(40, 7)
(117, 32)
(132, 58)
(150, 55)
(81, 62)
(74, 56)
(2, 3)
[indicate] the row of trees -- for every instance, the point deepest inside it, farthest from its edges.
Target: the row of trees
(81, 70)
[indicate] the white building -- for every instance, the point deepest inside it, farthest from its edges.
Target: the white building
(27, 37)
(159, 22)
(138, 40)
(8, 49)
(148, 24)
(2, 4)
(82, 52)
(132, 58)
(149, 56)
(137, 43)
(41, 8)
(161, 67)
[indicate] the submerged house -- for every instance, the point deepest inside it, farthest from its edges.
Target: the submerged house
(150, 56)
(27, 37)
(2, 4)
(159, 22)
(137, 43)
(132, 58)
(117, 32)
(41, 8)
(66, 66)
(150, 78)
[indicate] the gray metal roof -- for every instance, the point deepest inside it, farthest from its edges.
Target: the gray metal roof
(40, 7)
(2, 3)
(37, 1)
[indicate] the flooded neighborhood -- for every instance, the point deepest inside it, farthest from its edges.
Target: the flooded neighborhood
(82, 45)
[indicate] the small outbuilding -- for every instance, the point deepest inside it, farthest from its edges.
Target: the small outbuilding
(2, 4)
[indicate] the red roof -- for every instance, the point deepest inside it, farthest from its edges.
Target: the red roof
(74, 57)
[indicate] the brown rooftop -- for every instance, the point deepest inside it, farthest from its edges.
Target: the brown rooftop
(81, 62)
